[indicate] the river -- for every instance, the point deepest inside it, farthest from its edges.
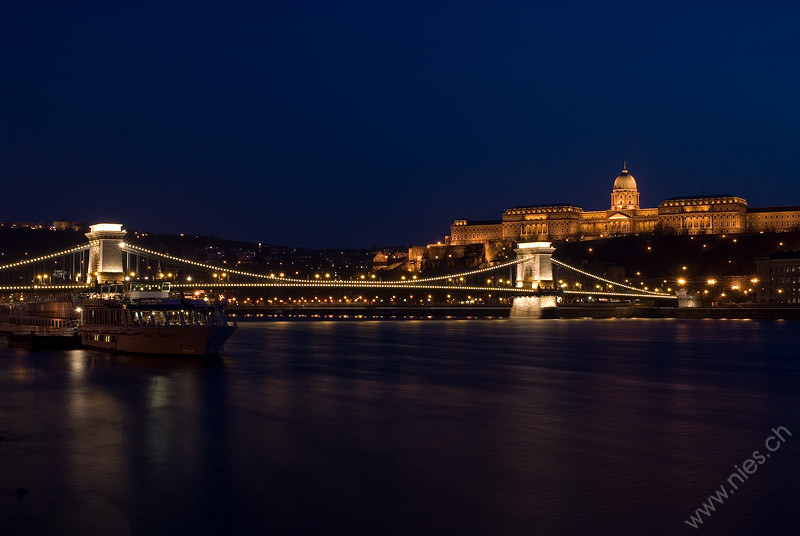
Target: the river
(409, 427)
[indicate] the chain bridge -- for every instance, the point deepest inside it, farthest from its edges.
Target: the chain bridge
(109, 257)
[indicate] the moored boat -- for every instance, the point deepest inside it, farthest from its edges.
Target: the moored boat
(40, 325)
(140, 318)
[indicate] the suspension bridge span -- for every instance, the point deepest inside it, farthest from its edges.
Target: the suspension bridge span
(107, 257)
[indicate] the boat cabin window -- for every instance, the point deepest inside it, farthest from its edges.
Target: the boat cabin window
(159, 318)
(149, 286)
(174, 318)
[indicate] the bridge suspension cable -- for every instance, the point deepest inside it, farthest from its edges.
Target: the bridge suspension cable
(470, 272)
(648, 293)
(45, 257)
(407, 283)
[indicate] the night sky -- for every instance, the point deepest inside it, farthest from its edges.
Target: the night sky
(361, 123)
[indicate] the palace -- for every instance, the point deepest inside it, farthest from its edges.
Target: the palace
(704, 214)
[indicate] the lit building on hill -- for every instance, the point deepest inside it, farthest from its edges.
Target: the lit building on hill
(704, 214)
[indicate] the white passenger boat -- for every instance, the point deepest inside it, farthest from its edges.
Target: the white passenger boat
(140, 318)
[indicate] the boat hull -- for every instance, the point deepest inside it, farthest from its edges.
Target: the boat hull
(31, 341)
(167, 340)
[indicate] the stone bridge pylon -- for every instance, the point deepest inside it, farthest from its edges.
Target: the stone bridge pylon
(105, 253)
(535, 271)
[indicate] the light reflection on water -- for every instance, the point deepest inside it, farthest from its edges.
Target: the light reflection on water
(479, 426)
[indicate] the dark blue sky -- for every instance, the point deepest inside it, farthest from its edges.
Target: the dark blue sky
(359, 123)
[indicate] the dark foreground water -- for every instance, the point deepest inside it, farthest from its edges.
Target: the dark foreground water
(414, 427)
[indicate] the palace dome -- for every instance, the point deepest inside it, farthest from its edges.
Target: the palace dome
(625, 181)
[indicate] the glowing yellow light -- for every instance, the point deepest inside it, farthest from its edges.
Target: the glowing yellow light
(105, 227)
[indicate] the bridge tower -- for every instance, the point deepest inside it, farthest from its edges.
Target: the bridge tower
(105, 253)
(534, 272)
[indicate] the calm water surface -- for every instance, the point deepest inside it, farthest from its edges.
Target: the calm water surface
(423, 427)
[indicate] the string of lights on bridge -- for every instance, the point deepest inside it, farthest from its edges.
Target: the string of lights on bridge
(648, 293)
(617, 294)
(408, 283)
(21, 288)
(46, 257)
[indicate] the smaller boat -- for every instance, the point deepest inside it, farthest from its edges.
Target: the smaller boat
(141, 318)
(40, 325)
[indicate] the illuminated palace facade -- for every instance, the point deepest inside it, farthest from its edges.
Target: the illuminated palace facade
(705, 214)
